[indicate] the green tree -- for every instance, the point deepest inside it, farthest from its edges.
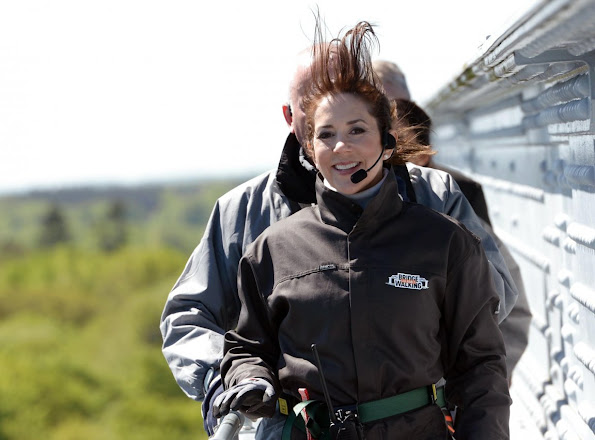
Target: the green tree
(54, 228)
(113, 232)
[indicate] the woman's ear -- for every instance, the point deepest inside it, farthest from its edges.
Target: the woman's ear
(394, 133)
(390, 152)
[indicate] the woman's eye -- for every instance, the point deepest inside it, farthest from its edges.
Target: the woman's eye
(324, 135)
(357, 130)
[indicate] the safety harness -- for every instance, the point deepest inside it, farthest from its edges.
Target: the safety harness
(316, 413)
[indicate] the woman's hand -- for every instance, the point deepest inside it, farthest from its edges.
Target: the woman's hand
(252, 396)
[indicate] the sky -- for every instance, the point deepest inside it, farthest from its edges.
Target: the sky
(134, 91)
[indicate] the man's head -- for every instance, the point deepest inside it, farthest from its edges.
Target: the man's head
(393, 79)
(293, 110)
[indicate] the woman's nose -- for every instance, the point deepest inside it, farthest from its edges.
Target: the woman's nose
(340, 145)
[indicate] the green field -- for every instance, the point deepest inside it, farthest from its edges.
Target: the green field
(84, 275)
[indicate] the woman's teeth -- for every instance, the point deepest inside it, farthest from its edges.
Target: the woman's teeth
(346, 166)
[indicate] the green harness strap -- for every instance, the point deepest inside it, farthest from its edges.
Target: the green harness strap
(316, 411)
(367, 412)
(401, 403)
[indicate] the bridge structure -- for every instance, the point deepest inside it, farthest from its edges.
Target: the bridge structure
(520, 120)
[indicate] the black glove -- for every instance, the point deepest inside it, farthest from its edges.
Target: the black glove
(209, 420)
(254, 396)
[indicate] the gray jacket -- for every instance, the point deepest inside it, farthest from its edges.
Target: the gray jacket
(515, 328)
(204, 303)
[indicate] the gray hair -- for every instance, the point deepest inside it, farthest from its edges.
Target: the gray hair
(393, 79)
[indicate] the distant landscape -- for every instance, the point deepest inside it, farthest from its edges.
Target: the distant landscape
(84, 275)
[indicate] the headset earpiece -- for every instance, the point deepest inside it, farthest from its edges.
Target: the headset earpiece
(388, 140)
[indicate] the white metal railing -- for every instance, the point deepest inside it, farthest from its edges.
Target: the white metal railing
(520, 120)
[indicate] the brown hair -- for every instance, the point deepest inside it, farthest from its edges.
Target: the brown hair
(416, 117)
(345, 66)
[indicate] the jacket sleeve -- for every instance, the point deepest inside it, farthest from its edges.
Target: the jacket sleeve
(252, 349)
(475, 365)
(203, 304)
(515, 330)
(515, 327)
(438, 190)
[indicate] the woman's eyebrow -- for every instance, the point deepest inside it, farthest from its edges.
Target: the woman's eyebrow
(324, 126)
(355, 121)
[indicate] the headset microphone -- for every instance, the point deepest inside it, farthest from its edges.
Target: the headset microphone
(388, 141)
(360, 175)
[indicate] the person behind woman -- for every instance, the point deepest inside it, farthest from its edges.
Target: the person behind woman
(515, 327)
(394, 295)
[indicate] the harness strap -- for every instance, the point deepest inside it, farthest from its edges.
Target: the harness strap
(316, 411)
(401, 403)
(367, 412)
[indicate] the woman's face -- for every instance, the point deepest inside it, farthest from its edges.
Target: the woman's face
(346, 139)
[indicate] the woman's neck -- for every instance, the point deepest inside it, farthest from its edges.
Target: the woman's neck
(363, 197)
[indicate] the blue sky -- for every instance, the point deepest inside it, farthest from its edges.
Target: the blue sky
(128, 91)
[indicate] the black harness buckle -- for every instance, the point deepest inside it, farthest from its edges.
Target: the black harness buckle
(347, 425)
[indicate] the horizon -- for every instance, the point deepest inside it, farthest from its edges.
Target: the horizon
(104, 185)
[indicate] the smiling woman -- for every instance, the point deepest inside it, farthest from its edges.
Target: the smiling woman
(363, 264)
(349, 120)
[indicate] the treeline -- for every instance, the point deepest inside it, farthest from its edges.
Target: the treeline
(83, 281)
(171, 215)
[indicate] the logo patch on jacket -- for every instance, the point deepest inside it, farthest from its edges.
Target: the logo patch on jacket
(407, 281)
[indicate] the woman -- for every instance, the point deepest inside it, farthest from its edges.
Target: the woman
(394, 295)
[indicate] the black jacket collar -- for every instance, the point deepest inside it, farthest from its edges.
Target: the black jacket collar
(342, 212)
(296, 182)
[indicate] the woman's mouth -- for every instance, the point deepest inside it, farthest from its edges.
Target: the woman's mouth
(346, 166)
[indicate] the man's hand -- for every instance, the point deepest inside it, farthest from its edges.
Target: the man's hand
(253, 396)
(215, 388)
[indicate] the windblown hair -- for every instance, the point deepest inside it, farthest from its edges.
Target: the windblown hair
(345, 66)
(416, 117)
